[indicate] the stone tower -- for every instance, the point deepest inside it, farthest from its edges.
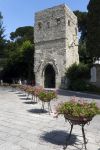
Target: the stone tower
(56, 45)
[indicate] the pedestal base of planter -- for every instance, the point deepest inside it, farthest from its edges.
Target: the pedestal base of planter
(76, 121)
(49, 106)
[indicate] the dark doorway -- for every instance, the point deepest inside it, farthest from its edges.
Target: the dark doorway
(49, 77)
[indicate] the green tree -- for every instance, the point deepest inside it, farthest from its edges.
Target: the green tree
(2, 45)
(22, 34)
(20, 55)
(28, 60)
(84, 55)
(82, 27)
(93, 29)
(82, 23)
(2, 37)
(20, 64)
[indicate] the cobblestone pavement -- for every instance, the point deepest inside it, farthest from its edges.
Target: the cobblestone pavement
(24, 127)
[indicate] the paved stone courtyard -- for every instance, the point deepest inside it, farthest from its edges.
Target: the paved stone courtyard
(24, 127)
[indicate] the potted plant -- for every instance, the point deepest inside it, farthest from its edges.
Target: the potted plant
(14, 87)
(47, 96)
(30, 91)
(37, 90)
(78, 112)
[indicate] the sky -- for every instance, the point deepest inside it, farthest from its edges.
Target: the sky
(18, 13)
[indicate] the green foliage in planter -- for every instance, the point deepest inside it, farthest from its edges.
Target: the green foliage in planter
(81, 109)
(46, 96)
(14, 85)
(29, 90)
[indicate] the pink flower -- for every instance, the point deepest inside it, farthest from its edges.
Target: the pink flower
(74, 99)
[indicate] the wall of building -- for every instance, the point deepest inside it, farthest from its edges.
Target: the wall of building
(95, 75)
(56, 42)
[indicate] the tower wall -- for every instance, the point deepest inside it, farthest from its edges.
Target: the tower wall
(56, 42)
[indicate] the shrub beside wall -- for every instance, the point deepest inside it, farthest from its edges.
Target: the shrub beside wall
(78, 74)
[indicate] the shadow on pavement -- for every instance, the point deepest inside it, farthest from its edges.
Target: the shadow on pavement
(25, 98)
(30, 102)
(78, 94)
(12, 91)
(58, 137)
(19, 92)
(37, 111)
(22, 95)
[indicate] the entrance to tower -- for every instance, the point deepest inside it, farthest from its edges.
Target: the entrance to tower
(49, 77)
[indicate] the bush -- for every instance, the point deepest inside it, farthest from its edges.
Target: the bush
(81, 85)
(78, 71)
(78, 85)
(77, 75)
(94, 89)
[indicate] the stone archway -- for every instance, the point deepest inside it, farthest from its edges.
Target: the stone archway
(49, 77)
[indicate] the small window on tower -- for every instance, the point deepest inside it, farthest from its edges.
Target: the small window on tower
(58, 21)
(39, 25)
(48, 24)
(69, 23)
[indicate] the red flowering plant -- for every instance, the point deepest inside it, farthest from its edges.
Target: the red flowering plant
(80, 110)
(4, 84)
(22, 87)
(37, 90)
(34, 91)
(29, 89)
(14, 85)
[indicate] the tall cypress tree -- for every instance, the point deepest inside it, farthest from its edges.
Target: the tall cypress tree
(2, 40)
(2, 46)
(93, 29)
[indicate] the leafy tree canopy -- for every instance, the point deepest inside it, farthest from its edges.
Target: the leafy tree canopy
(2, 36)
(82, 26)
(93, 29)
(22, 34)
(19, 65)
(82, 23)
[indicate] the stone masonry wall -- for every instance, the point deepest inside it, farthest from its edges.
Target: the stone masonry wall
(56, 42)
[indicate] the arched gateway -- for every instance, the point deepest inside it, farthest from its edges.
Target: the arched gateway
(49, 77)
(56, 45)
